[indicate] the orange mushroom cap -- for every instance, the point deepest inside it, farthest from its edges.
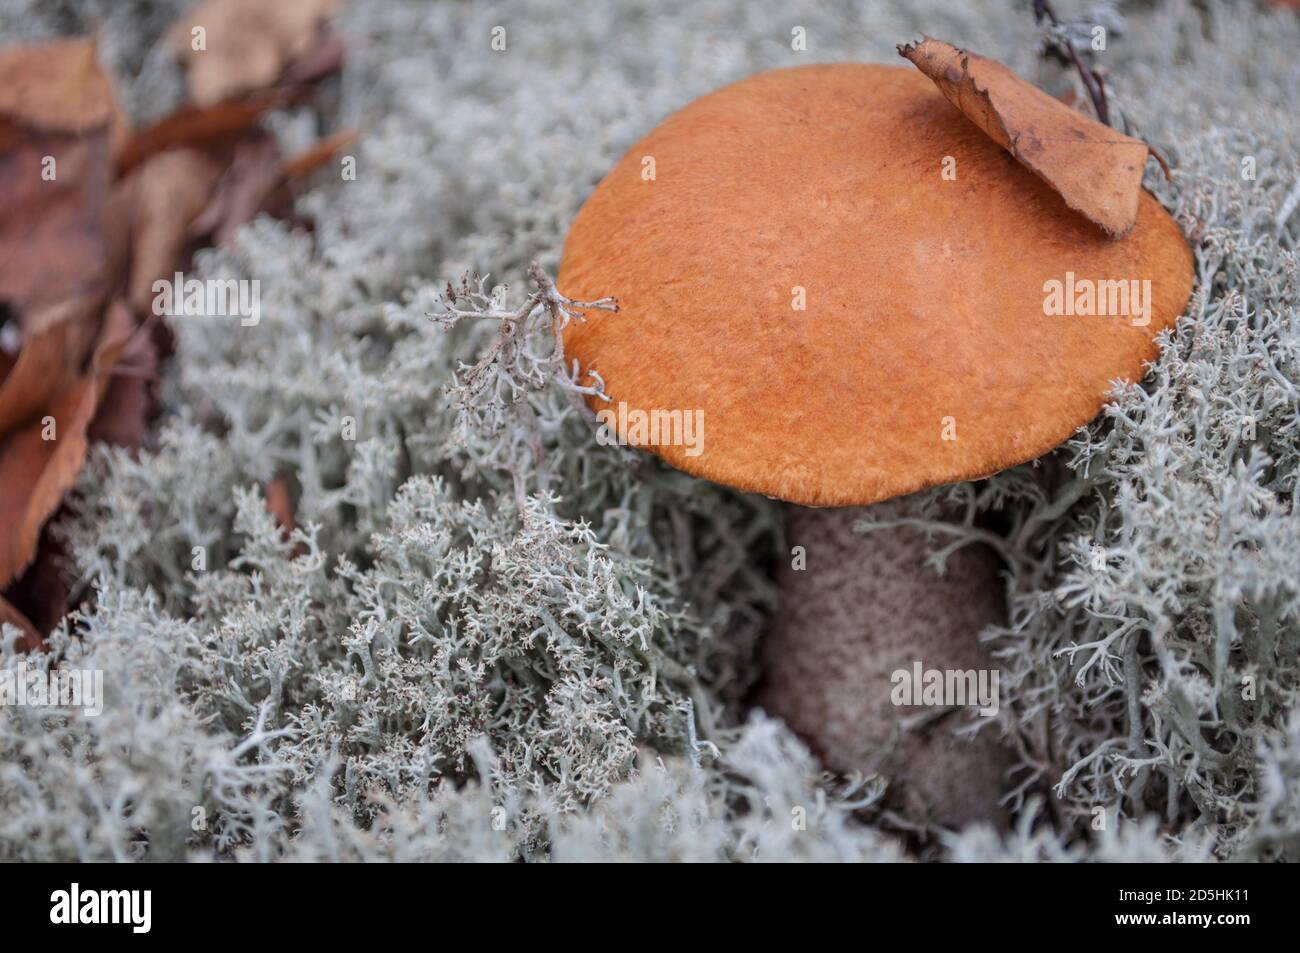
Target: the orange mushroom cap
(924, 354)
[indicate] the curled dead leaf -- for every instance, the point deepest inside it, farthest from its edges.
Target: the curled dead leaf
(58, 244)
(59, 112)
(53, 232)
(56, 87)
(120, 212)
(323, 59)
(169, 191)
(199, 126)
(129, 401)
(50, 360)
(39, 461)
(246, 189)
(257, 181)
(246, 44)
(1097, 170)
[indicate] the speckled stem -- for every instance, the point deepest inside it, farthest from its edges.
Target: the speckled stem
(866, 606)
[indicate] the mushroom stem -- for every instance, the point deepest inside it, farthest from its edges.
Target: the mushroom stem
(866, 614)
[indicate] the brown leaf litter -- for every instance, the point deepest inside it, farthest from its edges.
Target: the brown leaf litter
(1097, 170)
(93, 213)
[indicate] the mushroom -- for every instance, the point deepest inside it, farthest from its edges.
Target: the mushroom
(856, 287)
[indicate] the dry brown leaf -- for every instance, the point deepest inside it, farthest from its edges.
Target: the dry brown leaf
(69, 243)
(40, 594)
(280, 504)
(56, 87)
(7, 359)
(248, 43)
(198, 126)
(128, 402)
(57, 239)
(54, 175)
(53, 233)
(1097, 170)
(256, 180)
(50, 360)
(60, 255)
(246, 188)
(169, 191)
(36, 473)
(323, 59)
(58, 248)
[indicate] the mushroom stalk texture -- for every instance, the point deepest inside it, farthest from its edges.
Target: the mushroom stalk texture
(852, 630)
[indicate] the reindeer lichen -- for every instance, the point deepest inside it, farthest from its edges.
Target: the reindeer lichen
(492, 638)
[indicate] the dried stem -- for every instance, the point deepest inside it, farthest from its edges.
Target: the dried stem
(1092, 80)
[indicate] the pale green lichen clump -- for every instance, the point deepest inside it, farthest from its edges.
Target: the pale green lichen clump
(492, 637)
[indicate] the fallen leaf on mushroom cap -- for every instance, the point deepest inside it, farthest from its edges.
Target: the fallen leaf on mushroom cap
(36, 473)
(925, 299)
(247, 44)
(830, 317)
(1097, 170)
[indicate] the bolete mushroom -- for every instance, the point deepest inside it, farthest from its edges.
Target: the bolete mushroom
(862, 294)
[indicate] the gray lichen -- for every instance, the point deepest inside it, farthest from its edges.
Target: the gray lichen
(491, 638)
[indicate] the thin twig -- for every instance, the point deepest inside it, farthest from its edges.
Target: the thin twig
(1092, 80)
